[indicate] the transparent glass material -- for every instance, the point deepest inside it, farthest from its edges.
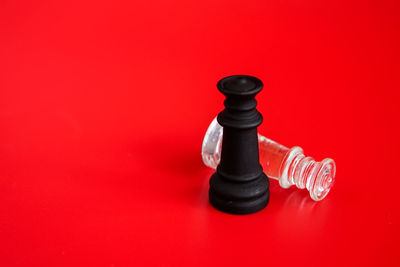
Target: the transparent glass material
(288, 166)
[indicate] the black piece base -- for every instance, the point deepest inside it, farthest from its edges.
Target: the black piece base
(239, 198)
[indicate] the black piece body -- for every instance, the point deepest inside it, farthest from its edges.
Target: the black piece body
(239, 185)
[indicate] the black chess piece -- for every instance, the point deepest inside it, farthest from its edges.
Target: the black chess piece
(239, 185)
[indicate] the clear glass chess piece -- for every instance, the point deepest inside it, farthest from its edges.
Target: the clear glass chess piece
(287, 165)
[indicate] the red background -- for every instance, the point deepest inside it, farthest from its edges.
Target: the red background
(103, 106)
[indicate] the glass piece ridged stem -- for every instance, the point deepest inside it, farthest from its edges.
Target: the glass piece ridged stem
(289, 166)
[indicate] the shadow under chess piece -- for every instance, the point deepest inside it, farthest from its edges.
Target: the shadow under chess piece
(239, 185)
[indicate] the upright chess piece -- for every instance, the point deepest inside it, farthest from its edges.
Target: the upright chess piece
(239, 185)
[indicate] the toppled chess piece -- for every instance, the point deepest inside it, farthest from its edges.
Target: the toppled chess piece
(239, 185)
(287, 165)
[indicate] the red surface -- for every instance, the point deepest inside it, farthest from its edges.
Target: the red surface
(103, 106)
